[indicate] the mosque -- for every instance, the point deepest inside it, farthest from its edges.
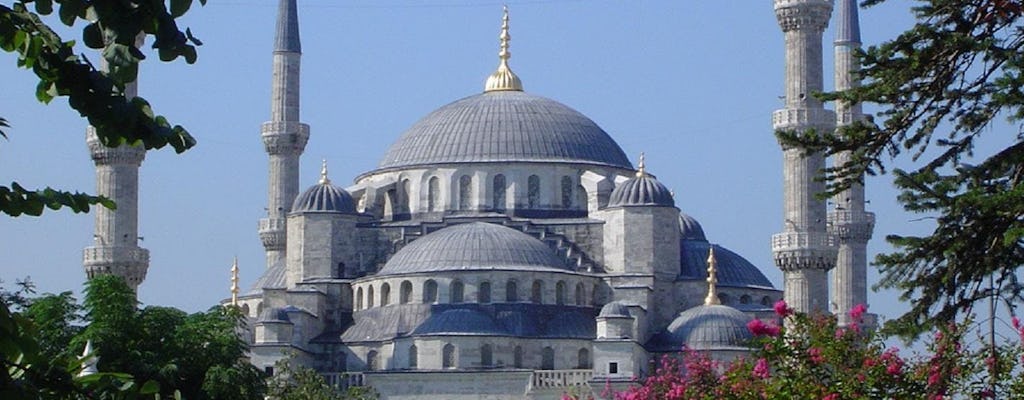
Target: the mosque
(506, 247)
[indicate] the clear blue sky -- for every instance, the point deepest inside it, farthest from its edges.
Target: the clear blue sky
(692, 84)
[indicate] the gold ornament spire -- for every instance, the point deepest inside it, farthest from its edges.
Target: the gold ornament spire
(234, 282)
(712, 298)
(503, 78)
(641, 169)
(323, 173)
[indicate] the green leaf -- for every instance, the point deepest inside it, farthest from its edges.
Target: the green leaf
(44, 7)
(92, 36)
(69, 11)
(180, 7)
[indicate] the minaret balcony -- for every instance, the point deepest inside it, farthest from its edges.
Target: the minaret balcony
(804, 118)
(848, 225)
(101, 255)
(284, 137)
(804, 250)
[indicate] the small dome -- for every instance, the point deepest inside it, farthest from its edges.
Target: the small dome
(459, 321)
(642, 190)
(710, 327)
(615, 309)
(690, 229)
(733, 269)
(504, 126)
(324, 197)
(474, 246)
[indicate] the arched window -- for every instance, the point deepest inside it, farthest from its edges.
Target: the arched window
(259, 309)
(596, 295)
(486, 356)
(498, 199)
(581, 196)
(567, 192)
(511, 292)
(457, 291)
(414, 357)
(580, 294)
(745, 299)
(369, 296)
(533, 191)
(724, 299)
(547, 358)
(537, 292)
(766, 301)
(429, 292)
(433, 194)
(483, 294)
(448, 356)
(560, 293)
(371, 361)
(405, 292)
(583, 359)
(359, 298)
(517, 357)
(245, 310)
(403, 197)
(385, 294)
(465, 183)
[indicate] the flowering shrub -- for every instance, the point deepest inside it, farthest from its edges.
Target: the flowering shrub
(814, 358)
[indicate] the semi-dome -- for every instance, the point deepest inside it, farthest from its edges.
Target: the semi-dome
(690, 229)
(474, 246)
(504, 126)
(733, 269)
(324, 197)
(709, 327)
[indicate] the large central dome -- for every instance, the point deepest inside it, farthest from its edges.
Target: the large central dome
(503, 126)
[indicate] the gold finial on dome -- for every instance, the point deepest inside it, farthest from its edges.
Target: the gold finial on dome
(503, 78)
(641, 170)
(323, 174)
(234, 282)
(712, 298)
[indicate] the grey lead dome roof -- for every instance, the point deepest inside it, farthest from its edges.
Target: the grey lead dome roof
(710, 327)
(641, 190)
(324, 197)
(502, 126)
(474, 246)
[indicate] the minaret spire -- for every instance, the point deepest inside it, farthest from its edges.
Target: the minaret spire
(503, 78)
(234, 282)
(284, 137)
(324, 180)
(712, 298)
(849, 222)
(641, 168)
(804, 250)
(115, 248)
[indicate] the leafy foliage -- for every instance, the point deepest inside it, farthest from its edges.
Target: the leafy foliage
(939, 87)
(295, 382)
(197, 356)
(115, 27)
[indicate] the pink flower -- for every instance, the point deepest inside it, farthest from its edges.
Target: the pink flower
(1015, 322)
(831, 396)
(759, 328)
(761, 369)
(815, 355)
(782, 309)
(858, 311)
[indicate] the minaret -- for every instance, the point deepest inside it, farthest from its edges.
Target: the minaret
(234, 282)
(849, 223)
(284, 137)
(803, 250)
(115, 248)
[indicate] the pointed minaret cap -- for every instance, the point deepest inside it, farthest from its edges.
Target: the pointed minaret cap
(286, 38)
(324, 180)
(234, 282)
(712, 298)
(847, 22)
(89, 360)
(503, 78)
